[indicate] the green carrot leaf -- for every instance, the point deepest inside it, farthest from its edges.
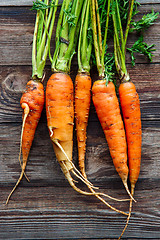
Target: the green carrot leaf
(144, 23)
(109, 66)
(142, 48)
(70, 17)
(39, 5)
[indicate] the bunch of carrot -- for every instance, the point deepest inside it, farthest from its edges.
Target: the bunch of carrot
(124, 135)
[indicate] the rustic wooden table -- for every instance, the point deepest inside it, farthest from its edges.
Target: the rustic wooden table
(47, 207)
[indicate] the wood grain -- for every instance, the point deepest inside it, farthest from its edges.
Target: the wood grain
(30, 2)
(47, 208)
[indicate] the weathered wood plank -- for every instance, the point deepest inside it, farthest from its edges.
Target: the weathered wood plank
(17, 33)
(47, 208)
(30, 2)
(18, 2)
(46, 213)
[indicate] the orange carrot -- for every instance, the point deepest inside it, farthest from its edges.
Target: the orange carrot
(32, 102)
(130, 104)
(82, 105)
(108, 111)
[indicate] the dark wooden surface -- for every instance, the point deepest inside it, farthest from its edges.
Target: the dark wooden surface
(47, 207)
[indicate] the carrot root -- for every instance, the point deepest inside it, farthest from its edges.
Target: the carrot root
(82, 106)
(79, 175)
(20, 178)
(130, 211)
(68, 176)
(26, 112)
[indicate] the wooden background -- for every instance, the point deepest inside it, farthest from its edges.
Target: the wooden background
(47, 207)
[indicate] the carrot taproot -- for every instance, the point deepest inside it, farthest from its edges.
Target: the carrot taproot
(32, 102)
(82, 106)
(130, 105)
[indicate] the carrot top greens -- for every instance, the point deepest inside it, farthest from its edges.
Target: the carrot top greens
(85, 39)
(42, 34)
(120, 37)
(99, 43)
(66, 35)
(121, 23)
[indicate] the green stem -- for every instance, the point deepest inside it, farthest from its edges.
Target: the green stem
(84, 45)
(119, 22)
(128, 25)
(41, 40)
(66, 38)
(34, 63)
(100, 68)
(46, 43)
(119, 53)
(106, 31)
(99, 30)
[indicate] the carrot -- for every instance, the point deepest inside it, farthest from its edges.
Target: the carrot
(82, 106)
(130, 104)
(61, 84)
(83, 84)
(32, 102)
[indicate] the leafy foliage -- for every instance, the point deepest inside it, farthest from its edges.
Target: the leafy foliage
(141, 47)
(109, 66)
(70, 17)
(144, 23)
(140, 26)
(39, 5)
